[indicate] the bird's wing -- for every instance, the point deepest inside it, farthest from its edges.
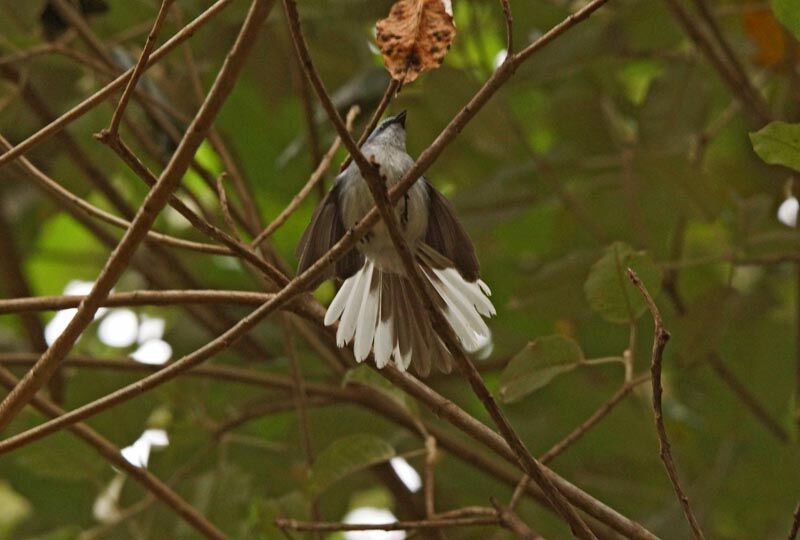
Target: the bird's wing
(326, 228)
(447, 236)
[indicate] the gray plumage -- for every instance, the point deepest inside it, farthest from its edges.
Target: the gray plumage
(378, 309)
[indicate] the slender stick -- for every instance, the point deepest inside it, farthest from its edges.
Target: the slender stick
(396, 526)
(795, 524)
(113, 127)
(391, 91)
(111, 453)
(509, 27)
(590, 422)
(153, 203)
(744, 395)
(315, 178)
(661, 336)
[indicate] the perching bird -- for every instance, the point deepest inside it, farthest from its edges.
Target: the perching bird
(377, 307)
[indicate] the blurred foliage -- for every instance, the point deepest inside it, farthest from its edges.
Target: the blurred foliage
(616, 145)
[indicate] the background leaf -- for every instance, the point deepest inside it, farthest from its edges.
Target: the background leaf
(608, 289)
(778, 143)
(537, 364)
(346, 456)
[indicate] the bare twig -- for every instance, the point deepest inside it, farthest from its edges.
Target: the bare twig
(511, 521)
(590, 422)
(752, 102)
(744, 395)
(113, 127)
(659, 342)
(391, 91)
(509, 27)
(154, 202)
(111, 453)
(795, 524)
(396, 526)
(315, 178)
(225, 206)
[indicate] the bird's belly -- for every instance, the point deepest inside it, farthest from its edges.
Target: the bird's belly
(410, 211)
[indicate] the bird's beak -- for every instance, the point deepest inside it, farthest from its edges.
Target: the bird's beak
(401, 119)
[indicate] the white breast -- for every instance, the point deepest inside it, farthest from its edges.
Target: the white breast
(411, 211)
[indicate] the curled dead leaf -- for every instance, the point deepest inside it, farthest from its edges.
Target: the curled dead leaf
(415, 37)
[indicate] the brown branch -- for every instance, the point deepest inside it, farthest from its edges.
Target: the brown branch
(744, 395)
(267, 408)
(661, 336)
(212, 231)
(225, 207)
(795, 524)
(137, 298)
(590, 422)
(101, 95)
(156, 199)
(509, 27)
(378, 188)
(511, 521)
(754, 105)
(138, 70)
(113, 455)
(730, 56)
(66, 198)
(391, 91)
(249, 377)
(315, 178)
(396, 526)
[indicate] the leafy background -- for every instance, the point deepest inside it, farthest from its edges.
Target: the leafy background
(622, 118)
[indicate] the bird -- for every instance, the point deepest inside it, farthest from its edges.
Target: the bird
(378, 309)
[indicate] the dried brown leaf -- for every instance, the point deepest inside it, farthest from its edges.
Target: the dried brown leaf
(415, 37)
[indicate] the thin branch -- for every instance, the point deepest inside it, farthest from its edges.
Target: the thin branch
(198, 222)
(260, 379)
(744, 395)
(315, 178)
(267, 408)
(378, 188)
(661, 336)
(754, 105)
(225, 207)
(137, 298)
(396, 526)
(101, 95)
(113, 127)
(113, 455)
(391, 91)
(509, 27)
(795, 524)
(590, 422)
(511, 521)
(156, 199)
(66, 198)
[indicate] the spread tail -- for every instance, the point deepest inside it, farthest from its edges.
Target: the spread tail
(380, 312)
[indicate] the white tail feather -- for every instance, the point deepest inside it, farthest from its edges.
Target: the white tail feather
(380, 312)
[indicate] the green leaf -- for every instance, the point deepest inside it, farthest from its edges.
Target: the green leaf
(787, 12)
(608, 289)
(778, 143)
(346, 456)
(537, 364)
